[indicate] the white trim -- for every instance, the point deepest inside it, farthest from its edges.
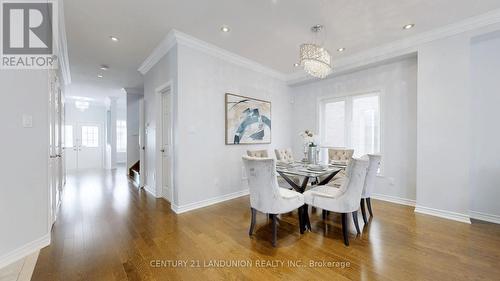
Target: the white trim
(25, 250)
(159, 52)
(399, 48)
(175, 37)
(394, 199)
(150, 191)
(485, 217)
(207, 202)
(195, 43)
(443, 214)
(62, 53)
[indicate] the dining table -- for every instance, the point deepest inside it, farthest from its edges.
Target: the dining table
(310, 173)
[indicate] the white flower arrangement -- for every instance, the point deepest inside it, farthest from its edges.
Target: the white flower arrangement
(310, 139)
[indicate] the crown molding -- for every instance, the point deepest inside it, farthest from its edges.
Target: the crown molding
(210, 49)
(175, 37)
(62, 50)
(159, 52)
(399, 48)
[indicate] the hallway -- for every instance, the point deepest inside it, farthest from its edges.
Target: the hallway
(107, 230)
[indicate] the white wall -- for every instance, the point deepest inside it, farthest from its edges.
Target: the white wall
(164, 71)
(485, 149)
(133, 148)
(24, 165)
(397, 82)
(206, 167)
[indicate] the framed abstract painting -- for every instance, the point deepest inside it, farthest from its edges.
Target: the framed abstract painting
(248, 120)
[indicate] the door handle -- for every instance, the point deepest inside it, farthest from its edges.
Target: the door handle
(162, 150)
(52, 156)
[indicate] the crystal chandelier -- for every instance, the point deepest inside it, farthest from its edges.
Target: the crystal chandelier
(315, 59)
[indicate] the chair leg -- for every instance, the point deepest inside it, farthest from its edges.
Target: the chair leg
(306, 217)
(252, 223)
(305, 220)
(345, 229)
(325, 214)
(369, 204)
(275, 229)
(301, 220)
(363, 212)
(355, 219)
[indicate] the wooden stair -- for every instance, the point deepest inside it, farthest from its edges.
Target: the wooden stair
(134, 171)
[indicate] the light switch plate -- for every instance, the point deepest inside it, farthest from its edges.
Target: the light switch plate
(27, 121)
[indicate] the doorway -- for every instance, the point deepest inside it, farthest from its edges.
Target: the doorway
(166, 147)
(83, 146)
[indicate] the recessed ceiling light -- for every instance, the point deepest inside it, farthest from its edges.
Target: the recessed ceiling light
(340, 49)
(408, 26)
(225, 28)
(100, 76)
(296, 64)
(114, 38)
(104, 67)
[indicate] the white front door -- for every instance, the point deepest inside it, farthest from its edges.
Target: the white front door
(83, 146)
(166, 145)
(89, 146)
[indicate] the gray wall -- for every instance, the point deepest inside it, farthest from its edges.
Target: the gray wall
(203, 81)
(24, 165)
(485, 149)
(397, 82)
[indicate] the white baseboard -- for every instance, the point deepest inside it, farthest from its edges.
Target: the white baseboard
(485, 217)
(25, 250)
(394, 199)
(443, 214)
(204, 203)
(150, 191)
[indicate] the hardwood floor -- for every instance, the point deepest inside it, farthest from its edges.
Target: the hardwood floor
(107, 230)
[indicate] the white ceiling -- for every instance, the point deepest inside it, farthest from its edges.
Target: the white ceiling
(266, 31)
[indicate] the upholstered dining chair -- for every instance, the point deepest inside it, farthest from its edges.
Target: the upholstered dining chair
(340, 155)
(373, 165)
(344, 200)
(266, 196)
(281, 181)
(284, 155)
(258, 153)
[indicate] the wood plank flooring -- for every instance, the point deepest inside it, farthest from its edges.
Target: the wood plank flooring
(108, 230)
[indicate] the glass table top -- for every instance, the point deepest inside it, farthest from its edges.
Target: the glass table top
(306, 169)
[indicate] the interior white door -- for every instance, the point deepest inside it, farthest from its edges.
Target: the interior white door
(166, 145)
(89, 146)
(70, 147)
(142, 144)
(55, 147)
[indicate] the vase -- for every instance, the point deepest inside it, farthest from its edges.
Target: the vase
(313, 155)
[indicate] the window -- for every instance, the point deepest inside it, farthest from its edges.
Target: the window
(121, 136)
(353, 122)
(68, 135)
(90, 136)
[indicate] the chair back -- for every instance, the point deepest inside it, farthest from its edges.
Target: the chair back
(284, 155)
(371, 175)
(352, 186)
(262, 182)
(258, 153)
(340, 155)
